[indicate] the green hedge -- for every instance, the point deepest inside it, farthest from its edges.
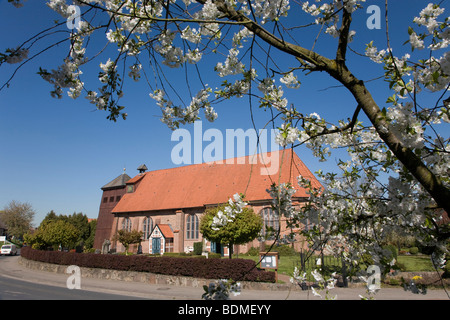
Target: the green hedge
(236, 269)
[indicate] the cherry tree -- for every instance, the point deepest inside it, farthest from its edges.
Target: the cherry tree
(397, 171)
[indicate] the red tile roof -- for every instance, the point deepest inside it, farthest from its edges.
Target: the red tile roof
(165, 230)
(212, 183)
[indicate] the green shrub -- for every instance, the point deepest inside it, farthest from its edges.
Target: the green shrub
(182, 255)
(283, 250)
(428, 250)
(394, 282)
(413, 250)
(253, 251)
(198, 248)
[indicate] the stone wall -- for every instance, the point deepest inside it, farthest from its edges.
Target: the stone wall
(147, 277)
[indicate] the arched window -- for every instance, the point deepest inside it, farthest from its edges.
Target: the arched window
(271, 223)
(147, 227)
(192, 227)
(126, 224)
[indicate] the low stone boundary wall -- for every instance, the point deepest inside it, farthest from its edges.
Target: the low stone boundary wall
(148, 277)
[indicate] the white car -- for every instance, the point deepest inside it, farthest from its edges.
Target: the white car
(10, 249)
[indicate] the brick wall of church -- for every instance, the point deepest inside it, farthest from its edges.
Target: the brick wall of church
(178, 220)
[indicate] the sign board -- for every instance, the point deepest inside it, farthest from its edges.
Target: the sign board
(3, 238)
(269, 260)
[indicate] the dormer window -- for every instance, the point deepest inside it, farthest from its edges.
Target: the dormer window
(130, 188)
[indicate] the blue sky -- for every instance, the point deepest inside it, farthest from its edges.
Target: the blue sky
(57, 153)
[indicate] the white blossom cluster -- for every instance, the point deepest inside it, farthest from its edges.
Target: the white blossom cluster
(270, 10)
(324, 284)
(297, 277)
(13, 56)
(432, 73)
(290, 80)
(173, 116)
(287, 135)
(282, 199)
(325, 14)
(221, 289)
(428, 17)
(321, 285)
(232, 64)
(61, 7)
(273, 95)
(228, 214)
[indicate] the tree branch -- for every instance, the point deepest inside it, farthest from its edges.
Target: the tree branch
(343, 37)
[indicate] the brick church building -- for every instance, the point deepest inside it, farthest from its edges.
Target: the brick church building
(167, 205)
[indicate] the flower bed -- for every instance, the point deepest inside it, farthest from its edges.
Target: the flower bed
(236, 269)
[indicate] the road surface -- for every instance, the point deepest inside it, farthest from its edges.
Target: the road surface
(13, 289)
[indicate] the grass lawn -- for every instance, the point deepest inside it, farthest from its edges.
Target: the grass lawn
(412, 263)
(416, 263)
(286, 264)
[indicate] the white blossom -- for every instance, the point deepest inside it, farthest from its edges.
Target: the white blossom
(191, 34)
(232, 64)
(135, 71)
(428, 17)
(415, 41)
(287, 135)
(290, 81)
(209, 11)
(16, 55)
(193, 56)
(60, 6)
(235, 206)
(221, 289)
(270, 10)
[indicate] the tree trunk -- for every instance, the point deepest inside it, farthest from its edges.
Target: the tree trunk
(230, 251)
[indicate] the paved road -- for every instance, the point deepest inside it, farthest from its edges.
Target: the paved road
(13, 289)
(11, 269)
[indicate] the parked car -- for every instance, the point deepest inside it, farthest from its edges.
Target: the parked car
(10, 249)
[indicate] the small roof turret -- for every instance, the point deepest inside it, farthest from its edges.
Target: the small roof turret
(142, 168)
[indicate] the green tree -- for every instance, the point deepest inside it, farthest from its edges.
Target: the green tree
(50, 217)
(35, 240)
(17, 218)
(245, 227)
(89, 243)
(80, 221)
(61, 233)
(128, 237)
